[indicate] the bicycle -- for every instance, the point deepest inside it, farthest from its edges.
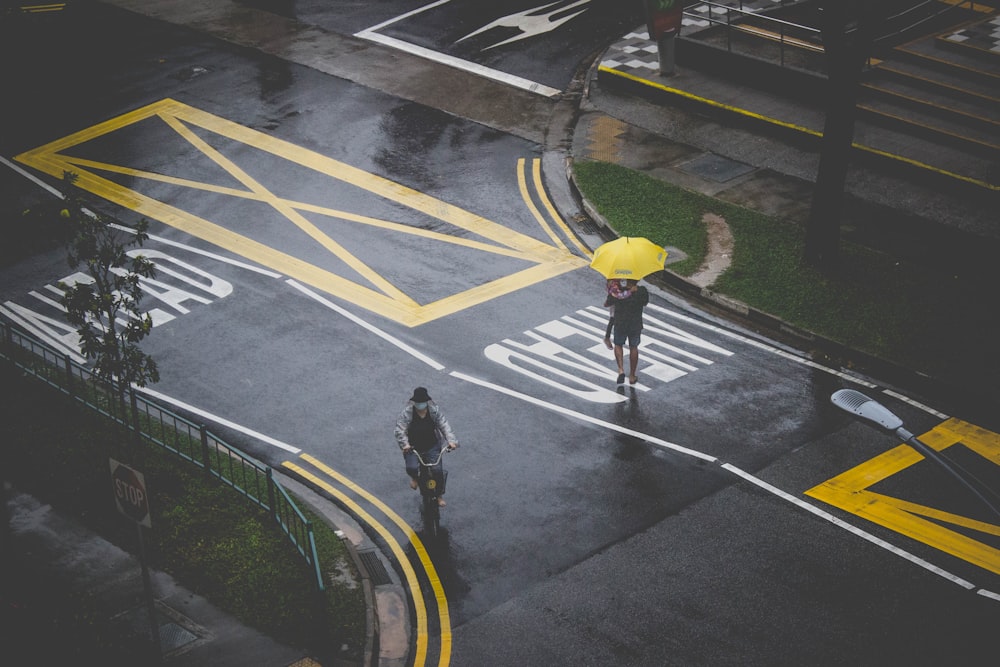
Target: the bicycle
(431, 480)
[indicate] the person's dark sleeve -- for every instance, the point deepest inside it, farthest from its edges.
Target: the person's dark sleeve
(643, 295)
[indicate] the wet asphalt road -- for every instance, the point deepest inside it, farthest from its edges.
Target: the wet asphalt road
(587, 524)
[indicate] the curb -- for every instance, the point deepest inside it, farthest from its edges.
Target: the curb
(339, 520)
(808, 343)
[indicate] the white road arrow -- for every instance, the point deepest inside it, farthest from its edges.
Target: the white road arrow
(531, 22)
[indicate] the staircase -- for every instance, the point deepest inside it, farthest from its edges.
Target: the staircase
(930, 92)
(944, 87)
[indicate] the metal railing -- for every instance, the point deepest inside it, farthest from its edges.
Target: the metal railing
(173, 433)
(732, 16)
(914, 16)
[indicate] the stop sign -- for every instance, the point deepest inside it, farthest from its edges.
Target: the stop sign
(129, 487)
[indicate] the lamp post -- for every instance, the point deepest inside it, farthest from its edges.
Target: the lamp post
(876, 414)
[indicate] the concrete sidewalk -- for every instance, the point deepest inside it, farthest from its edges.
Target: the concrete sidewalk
(52, 547)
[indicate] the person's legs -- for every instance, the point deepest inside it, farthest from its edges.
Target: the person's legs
(412, 465)
(619, 341)
(633, 355)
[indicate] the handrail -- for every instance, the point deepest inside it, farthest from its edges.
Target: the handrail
(748, 12)
(173, 433)
(899, 17)
(780, 25)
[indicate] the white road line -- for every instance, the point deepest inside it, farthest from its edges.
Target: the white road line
(763, 346)
(920, 406)
(791, 357)
(27, 326)
(663, 444)
(159, 239)
(738, 472)
(34, 179)
(219, 420)
(407, 15)
(370, 327)
(372, 35)
(848, 527)
(458, 63)
(206, 253)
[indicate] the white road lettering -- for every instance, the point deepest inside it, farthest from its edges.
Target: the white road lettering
(170, 292)
(569, 354)
(214, 285)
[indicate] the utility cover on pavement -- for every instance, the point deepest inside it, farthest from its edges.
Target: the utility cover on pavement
(715, 167)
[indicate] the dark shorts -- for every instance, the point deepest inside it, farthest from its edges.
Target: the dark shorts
(631, 334)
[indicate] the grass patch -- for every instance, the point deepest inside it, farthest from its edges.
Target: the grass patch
(900, 311)
(637, 205)
(204, 533)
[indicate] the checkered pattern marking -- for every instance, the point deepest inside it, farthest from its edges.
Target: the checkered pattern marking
(984, 35)
(637, 54)
(692, 13)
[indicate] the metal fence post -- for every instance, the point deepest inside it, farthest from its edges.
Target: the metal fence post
(68, 364)
(8, 344)
(134, 405)
(205, 455)
(270, 494)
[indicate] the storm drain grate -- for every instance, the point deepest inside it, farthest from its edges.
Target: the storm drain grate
(173, 636)
(171, 633)
(715, 167)
(376, 570)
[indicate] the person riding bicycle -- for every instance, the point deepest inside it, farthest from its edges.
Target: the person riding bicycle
(421, 426)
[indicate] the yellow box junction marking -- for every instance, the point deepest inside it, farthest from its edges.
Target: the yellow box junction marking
(850, 492)
(381, 296)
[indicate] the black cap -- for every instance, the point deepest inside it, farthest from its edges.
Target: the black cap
(420, 395)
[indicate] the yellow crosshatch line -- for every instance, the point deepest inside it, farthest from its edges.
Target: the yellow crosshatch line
(386, 299)
(849, 491)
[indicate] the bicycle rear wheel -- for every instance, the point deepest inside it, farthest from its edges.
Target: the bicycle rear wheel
(432, 515)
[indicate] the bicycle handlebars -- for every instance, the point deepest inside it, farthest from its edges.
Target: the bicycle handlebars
(440, 456)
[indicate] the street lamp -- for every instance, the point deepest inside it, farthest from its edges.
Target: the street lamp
(876, 414)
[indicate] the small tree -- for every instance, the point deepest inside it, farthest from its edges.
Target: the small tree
(103, 302)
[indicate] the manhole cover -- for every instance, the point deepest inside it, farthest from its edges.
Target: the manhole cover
(715, 167)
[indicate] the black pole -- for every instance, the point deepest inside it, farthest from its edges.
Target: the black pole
(934, 456)
(154, 626)
(845, 49)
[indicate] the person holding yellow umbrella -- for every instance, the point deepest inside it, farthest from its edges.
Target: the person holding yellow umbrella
(623, 262)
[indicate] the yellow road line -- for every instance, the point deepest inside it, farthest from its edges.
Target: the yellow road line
(526, 196)
(418, 546)
(792, 126)
(546, 260)
(289, 212)
(537, 176)
(850, 491)
(36, 9)
(302, 206)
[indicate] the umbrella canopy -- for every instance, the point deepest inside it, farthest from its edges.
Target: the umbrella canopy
(632, 257)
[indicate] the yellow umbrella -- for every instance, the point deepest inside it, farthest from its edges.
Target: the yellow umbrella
(633, 257)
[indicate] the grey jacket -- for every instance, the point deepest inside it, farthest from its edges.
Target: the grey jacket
(442, 428)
